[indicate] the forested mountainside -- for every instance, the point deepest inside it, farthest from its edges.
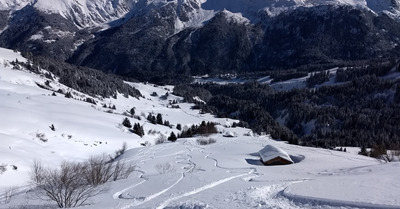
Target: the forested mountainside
(319, 35)
(353, 107)
(158, 40)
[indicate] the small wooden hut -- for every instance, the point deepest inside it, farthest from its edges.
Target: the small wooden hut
(271, 155)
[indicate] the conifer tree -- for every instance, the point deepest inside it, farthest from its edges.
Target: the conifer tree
(172, 137)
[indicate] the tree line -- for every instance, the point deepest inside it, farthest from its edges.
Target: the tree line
(362, 110)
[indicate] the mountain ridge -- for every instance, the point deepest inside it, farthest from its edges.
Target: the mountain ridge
(159, 38)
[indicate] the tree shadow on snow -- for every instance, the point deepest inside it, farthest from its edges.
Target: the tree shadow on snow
(298, 158)
(254, 162)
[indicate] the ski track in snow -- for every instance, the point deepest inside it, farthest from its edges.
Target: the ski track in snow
(211, 185)
(118, 195)
(188, 167)
(200, 189)
(151, 197)
(137, 203)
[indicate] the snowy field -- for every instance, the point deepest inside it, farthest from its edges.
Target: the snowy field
(225, 174)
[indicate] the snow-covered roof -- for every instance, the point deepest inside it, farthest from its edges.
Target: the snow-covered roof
(270, 152)
(229, 134)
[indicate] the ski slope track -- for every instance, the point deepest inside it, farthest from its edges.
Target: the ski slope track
(224, 174)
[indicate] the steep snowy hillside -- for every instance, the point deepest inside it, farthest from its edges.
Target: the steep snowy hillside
(39, 125)
(81, 129)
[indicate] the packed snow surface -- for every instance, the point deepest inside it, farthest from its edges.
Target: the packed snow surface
(225, 174)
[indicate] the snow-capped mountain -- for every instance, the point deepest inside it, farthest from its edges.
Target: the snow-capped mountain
(89, 13)
(83, 13)
(150, 38)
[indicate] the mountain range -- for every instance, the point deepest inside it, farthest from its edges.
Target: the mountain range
(153, 39)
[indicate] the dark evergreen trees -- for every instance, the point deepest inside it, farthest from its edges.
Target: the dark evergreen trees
(159, 119)
(86, 80)
(138, 129)
(151, 118)
(172, 137)
(179, 126)
(205, 128)
(132, 111)
(127, 123)
(362, 110)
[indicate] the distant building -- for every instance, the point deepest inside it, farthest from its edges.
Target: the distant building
(271, 155)
(229, 134)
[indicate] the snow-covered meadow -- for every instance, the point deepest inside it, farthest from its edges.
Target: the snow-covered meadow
(225, 174)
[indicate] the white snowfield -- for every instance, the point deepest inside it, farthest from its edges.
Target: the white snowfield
(225, 174)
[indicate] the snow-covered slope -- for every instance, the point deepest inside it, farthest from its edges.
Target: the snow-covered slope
(225, 174)
(81, 129)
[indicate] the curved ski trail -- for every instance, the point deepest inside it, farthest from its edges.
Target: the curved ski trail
(153, 196)
(200, 189)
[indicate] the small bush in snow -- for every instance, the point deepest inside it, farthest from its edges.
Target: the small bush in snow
(205, 141)
(3, 168)
(163, 168)
(160, 139)
(41, 136)
(152, 132)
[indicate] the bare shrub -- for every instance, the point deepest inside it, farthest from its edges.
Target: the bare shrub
(3, 168)
(163, 168)
(152, 132)
(97, 170)
(37, 172)
(121, 151)
(66, 185)
(122, 170)
(160, 139)
(73, 184)
(205, 141)
(9, 193)
(41, 136)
